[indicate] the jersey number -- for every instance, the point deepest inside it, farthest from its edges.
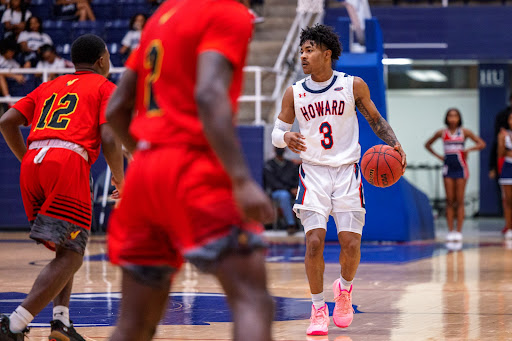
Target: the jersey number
(56, 119)
(153, 62)
(325, 128)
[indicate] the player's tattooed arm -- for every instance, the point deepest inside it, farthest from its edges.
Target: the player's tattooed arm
(379, 125)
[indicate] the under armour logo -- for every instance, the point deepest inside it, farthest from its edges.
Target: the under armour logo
(302, 95)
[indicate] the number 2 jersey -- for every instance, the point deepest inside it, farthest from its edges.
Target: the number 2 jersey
(69, 108)
(166, 66)
(328, 120)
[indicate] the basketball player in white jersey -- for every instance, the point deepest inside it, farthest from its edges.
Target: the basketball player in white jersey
(330, 181)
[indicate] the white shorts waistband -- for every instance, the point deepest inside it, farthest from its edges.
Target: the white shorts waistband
(56, 143)
(508, 159)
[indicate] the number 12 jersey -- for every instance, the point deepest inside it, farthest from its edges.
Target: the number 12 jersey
(327, 118)
(69, 108)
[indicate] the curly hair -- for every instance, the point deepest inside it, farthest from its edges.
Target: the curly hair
(323, 35)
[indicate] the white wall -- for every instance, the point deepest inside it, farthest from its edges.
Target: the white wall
(416, 115)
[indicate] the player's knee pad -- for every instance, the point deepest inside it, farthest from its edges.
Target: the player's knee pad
(351, 221)
(312, 220)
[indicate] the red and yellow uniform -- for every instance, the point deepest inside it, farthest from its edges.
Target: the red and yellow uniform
(177, 197)
(65, 117)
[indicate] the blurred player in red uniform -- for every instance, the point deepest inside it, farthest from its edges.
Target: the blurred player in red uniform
(188, 192)
(67, 118)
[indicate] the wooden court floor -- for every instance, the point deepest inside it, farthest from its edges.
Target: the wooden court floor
(413, 291)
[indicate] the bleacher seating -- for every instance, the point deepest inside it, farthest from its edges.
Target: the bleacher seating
(104, 9)
(41, 8)
(79, 28)
(128, 8)
(113, 19)
(115, 56)
(115, 30)
(17, 89)
(64, 50)
(58, 30)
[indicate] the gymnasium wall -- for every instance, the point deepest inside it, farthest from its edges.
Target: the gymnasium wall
(415, 115)
(454, 32)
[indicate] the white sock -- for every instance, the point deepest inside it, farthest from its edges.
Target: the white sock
(318, 300)
(61, 313)
(345, 285)
(19, 319)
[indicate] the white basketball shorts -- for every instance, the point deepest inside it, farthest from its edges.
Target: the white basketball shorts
(327, 190)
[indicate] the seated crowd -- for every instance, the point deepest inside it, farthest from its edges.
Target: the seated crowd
(24, 44)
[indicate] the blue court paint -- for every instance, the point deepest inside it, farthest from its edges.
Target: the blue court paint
(101, 309)
(294, 253)
(370, 253)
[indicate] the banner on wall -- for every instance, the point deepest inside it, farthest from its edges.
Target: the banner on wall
(493, 92)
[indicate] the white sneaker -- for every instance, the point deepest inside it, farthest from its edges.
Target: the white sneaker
(508, 234)
(457, 236)
(450, 236)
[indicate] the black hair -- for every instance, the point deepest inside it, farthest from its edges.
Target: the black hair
(47, 48)
(458, 113)
(8, 45)
(23, 9)
(323, 35)
(27, 25)
(132, 20)
(87, 49)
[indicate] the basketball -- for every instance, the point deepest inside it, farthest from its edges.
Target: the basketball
(381, 165)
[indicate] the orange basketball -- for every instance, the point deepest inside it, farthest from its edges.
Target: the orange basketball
(381, 165)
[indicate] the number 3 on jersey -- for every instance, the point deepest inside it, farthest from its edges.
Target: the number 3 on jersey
(327, 142)
(153, 61)
(56, 119)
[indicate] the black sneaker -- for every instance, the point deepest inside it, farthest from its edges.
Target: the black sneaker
(62, 333)
(6, 334)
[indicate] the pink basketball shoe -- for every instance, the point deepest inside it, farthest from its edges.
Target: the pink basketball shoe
(343, 312)
(319, 321)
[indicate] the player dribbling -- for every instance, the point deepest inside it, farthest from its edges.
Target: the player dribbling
(330, 180)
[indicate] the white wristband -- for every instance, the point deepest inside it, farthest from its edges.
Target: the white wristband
(280, 128)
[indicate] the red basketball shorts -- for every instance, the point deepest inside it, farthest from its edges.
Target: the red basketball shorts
(177, 203)
(57, 198)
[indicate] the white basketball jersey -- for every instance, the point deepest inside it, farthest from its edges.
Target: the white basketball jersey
(328, 120)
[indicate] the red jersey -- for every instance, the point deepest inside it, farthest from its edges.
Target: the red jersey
(166, 63)
(70, 108)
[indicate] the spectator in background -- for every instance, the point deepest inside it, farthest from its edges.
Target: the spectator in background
(32, 39)
(3, 6)
(504, 150)
(496, 163)
(7, 52)
(72, 9)
(455, 170)
(131, 39)
(51, 61)
(281, 178)
(14, 19)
